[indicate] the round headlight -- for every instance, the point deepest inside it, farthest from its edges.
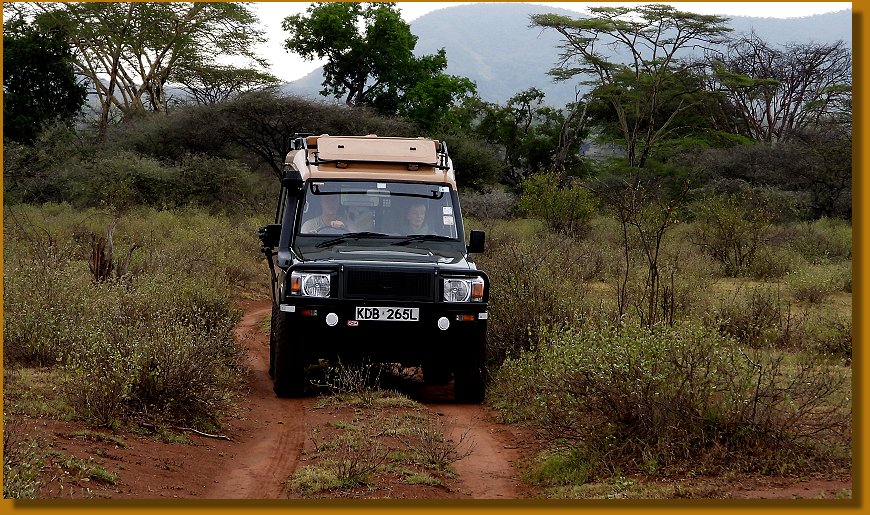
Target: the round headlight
(456, 290)
(316, 286)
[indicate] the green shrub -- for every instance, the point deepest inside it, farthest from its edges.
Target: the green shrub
(478, 164)
(731, 229)
(571, 466)
(22, 459)
(45, 313)
(564, 208)
(773, 262)
(831, 336)
(124, 180)
(673, 395)
(44, 172)
(161, 347)
(819, 241)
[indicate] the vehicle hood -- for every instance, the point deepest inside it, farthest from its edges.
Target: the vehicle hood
(386, 255)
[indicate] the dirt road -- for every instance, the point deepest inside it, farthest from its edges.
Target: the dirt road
(272, 433)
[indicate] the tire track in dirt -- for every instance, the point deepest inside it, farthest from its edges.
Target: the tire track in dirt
(273, 429)
(487, 472)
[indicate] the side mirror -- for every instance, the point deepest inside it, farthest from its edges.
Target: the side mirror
(477, 243)
(270, 235)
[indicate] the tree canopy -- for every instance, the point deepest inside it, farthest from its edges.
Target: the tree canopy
(214, 84)
(39, 84)
(129, 51)
(775, 93)
(630, 56)
(533, 135)
(370, 60)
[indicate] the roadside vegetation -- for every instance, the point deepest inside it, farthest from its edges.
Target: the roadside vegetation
(671, 261)
(121, 320)
(745, 369)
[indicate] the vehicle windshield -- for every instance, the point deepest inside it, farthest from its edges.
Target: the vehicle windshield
(371, 209)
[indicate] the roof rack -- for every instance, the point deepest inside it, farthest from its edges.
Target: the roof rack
(413, 152)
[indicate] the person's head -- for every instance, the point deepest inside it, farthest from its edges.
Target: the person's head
(329, 205)
(416, 215)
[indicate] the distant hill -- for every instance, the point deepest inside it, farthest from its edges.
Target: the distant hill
(494, 45)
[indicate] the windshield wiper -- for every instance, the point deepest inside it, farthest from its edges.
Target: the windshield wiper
(352, 235)
(423, 237)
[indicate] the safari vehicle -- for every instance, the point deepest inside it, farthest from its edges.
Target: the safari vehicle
(368, 260)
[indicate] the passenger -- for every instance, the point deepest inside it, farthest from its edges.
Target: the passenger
(329, 217)
(415, 219)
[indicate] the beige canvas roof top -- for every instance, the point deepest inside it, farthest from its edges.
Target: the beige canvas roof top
(373, 158)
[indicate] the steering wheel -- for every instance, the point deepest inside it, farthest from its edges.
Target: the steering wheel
(328, 229)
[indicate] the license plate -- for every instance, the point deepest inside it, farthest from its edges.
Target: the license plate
(388, 314)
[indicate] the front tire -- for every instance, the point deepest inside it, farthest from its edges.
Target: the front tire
(436, 374)
(289, 364)
(469, 379)
(275, 313)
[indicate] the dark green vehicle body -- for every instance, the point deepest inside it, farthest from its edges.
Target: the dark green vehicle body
(377, 291)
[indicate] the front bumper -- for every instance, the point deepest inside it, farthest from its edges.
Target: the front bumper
(324, 328)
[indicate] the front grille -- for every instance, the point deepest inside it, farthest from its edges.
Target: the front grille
(388, 284)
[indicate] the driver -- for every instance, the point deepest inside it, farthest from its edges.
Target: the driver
(329, 216)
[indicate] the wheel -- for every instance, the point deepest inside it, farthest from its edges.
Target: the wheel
(328, 229)
(469, 378)
(289, 364)
(469, 385)
(272, 321)
(436, 373)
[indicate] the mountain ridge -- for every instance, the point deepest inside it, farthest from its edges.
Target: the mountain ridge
(505, 55)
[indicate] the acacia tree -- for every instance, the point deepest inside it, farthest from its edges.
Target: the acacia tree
(777, 92)
(214, 84)
(261, 121)
(129, 51)
(651, 40)
(370, 60)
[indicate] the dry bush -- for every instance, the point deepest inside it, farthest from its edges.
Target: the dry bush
(672, 395)
(428, 445)
(361, 381)
(354, 457)
(753, 318)
(489, 205)
(529, 289)
(155, 343)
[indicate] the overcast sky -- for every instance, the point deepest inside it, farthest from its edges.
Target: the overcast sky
(289, 67)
